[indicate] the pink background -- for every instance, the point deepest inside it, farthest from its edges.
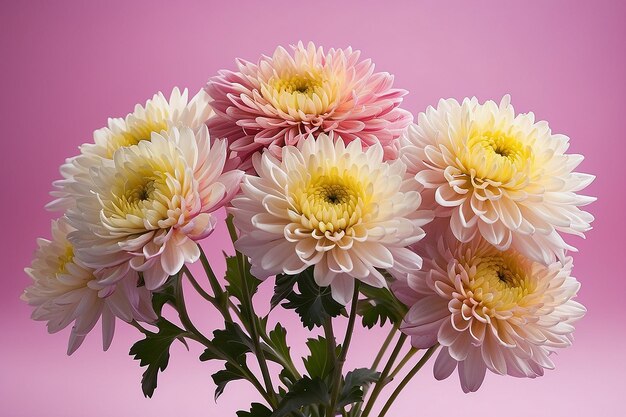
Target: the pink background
(67, 66)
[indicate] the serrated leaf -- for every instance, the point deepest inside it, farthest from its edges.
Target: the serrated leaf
(303, 393)
(257, 410)
(232, 341)
(318, 364)
(223, 377)
(154, 352)
(278, 337)
(282, 288)
(314, 304)
(235, 280)
(379, 306)
(231, 344)
(354, 382)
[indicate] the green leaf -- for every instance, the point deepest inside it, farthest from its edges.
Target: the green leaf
(223, 377)
(282, 288)
(314, 304)
(154, 352)
(278, 337)
(165, 295)
(378, 306)
(305, 392)
(318, 364)
(257, 410)
(233, 342)
(354, 382)
(286, 378)
(235, 280)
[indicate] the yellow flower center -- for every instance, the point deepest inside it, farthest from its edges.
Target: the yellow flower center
(65, 258)
(301, 92)
(331, 201)
(139, 192)
(146, 197)
(142, 130)
(500, 282)
(299, 84)
(496, 156)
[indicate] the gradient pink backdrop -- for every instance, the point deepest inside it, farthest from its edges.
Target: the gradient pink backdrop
(67, 66)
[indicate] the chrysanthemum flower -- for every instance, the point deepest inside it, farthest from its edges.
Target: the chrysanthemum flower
(489, 309)
(500, 175)
(284, 98)
(337, 207)
(157, 115)
(65, 291)
(145, 208)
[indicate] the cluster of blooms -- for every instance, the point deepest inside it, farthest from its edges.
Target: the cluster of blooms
(321, 168)
(136, 201)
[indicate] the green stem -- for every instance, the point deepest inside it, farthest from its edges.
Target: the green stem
(329, 334)
(331, 350)
(383, 349)
(257, 347)
(181, 308)
(197, 286)
(139, 327)
(406, 379)
(252, 317)
(344, 352)
(235, 310)
(403, 362)
(218, 291)
(331, 342)
(382, 381)
(196, 335)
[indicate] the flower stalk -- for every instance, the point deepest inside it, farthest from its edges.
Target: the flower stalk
(336, 380)
(383, 380)
(406, 379)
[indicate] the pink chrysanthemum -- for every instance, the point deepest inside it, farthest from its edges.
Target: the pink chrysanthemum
(284, 98)
(489, 309)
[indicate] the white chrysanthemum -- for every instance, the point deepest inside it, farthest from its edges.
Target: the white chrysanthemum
(157, 115)
(500, 175)
(340, 208)
(489, 309)
(64, 291)
(145, 208)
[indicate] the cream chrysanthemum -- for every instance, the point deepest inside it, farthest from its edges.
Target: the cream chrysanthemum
(500, 175)
(337, 207)
(65, 291)
(287, 97)
(157, 115)
(144, 209)
(489, 309)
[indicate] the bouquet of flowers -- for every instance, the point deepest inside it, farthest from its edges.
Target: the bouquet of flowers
(449, 231)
